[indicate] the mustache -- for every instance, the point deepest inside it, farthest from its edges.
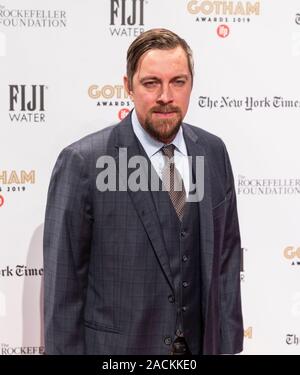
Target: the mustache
(165, 109)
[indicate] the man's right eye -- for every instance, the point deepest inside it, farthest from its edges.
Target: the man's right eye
(150, 84)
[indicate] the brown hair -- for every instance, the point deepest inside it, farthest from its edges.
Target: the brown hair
(155, 39)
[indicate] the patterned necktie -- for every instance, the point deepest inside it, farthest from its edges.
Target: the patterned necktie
(172, 181)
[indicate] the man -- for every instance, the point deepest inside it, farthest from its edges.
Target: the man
(144, 271)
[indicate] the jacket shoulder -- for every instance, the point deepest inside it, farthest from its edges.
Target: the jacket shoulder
(204, 135)
(99, 141)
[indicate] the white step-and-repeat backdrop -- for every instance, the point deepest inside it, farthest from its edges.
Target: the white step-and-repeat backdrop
(61, 69)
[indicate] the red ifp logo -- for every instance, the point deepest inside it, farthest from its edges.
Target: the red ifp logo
(223, 31)
(123, 113)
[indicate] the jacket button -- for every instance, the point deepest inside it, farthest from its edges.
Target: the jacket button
(171, 298)
(168, 340)
(179, 333)
(184, 258)
(183, 234)
(184, 308)
(185, 284)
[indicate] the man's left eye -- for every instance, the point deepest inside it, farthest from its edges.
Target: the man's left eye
(179, 82)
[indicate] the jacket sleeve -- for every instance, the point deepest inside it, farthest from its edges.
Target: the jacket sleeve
(232, 332)
(67, 239)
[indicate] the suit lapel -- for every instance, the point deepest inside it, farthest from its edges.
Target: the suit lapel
(196, 147)
(142, 200)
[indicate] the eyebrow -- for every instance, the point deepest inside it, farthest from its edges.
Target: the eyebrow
(154, 78)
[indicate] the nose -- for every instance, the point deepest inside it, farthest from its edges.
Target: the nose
(165, 95)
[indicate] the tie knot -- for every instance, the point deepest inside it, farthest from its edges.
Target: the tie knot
(168, 150)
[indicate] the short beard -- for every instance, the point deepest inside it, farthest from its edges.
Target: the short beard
(163, 130)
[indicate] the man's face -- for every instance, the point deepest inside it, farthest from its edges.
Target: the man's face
(161, 89)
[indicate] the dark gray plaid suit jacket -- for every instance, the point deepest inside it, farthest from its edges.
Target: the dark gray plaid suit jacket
(106, 272)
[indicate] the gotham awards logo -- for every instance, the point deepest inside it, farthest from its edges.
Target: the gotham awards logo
(222, 13)
(27, 104)
(292, 254)
(127, 17)
(13, 182)
(111, 96)
(248, 332)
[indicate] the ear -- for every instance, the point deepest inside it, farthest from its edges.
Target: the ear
(127, 87)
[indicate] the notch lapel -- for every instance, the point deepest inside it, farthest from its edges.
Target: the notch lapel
(142, 200)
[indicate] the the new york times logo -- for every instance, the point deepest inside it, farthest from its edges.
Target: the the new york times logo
(126, 17)
(292, 339)
(27, 103)
(21, 270)
(21, 350)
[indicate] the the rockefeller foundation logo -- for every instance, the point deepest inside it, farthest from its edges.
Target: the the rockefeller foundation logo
(6, 349)
(267, 186)
(32, 18)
